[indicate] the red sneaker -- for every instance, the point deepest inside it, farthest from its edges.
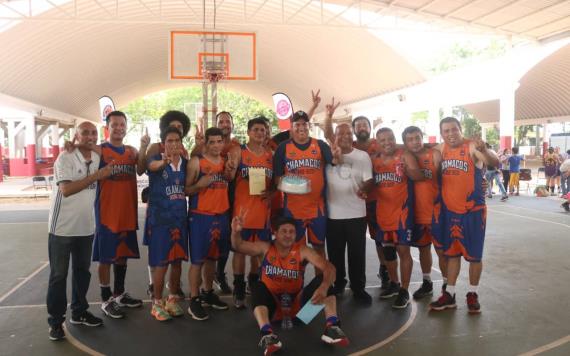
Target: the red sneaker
(446, 301)
(473, 303)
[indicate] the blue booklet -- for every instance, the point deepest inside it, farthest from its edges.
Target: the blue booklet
(309, 311)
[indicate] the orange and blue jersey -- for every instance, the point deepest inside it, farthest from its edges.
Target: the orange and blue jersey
(463, 200)
(309, 161)
(426, 192)
(228, 147)
(394, 206)
(283, 275)
(461, 180)
(213, 199)
(117, 195)
(166, 224)
(373, 149)
(256, 210)
(427, 203)
(116, 206)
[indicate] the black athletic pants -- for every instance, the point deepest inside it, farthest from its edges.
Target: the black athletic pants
(351, 234)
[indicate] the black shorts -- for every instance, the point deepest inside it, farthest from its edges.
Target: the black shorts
(262, 296)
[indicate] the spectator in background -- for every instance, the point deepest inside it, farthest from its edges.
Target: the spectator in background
(565, 175)
(551, 161)
(515, 170)
(492, 175)
(504, 159)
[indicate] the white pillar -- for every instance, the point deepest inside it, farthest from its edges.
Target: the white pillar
(55, 139)
(11, 139)
(433, 125)
(507, 118)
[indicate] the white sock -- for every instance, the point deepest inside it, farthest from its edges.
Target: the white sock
(450, 290)
(149, 275)
(444, 280)
(427, 276)
(472, 289)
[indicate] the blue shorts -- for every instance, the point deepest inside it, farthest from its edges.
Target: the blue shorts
(167, 245)
(314, 230)
(427, 234)
(209, 237)
(109, 247)
(402, 237)
(464, 234)
(253, 235)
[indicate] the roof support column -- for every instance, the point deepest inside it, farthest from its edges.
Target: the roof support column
(1, 153)
(433, 125)
(31, 145)
(507, 118)
(55, 140)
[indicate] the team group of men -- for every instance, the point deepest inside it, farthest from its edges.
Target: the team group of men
(200, 206)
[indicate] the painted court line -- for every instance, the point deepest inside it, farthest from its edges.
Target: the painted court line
(79, 345)
(547, 347)
(24, 281)
(530, 218)
(25, 223)
(391, 337)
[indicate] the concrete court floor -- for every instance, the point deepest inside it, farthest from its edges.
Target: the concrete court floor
(524, 290)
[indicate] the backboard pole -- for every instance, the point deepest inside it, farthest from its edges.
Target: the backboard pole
(214, 87)
(204, 117)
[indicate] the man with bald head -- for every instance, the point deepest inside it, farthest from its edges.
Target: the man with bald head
(71, 229)
(347, 186)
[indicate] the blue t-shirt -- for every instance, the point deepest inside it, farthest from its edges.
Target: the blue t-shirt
(515, 164)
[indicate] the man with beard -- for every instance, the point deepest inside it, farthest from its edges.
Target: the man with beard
(306, 157)
(464, 209)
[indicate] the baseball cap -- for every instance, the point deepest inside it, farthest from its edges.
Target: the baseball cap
(300, 115)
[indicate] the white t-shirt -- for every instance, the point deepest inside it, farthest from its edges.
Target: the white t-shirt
(343, 181)
(73, 215)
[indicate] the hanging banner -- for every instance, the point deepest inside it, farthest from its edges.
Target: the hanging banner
(283, 109)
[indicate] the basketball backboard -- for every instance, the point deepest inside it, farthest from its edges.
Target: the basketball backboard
(194, 54)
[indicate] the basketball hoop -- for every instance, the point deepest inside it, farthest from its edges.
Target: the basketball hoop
(214, 77)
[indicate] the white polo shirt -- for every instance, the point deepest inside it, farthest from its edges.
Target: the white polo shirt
(343, 181)
(73, 215)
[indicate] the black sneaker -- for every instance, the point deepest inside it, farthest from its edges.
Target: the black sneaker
(445, 301)
(504, 198)
(566, 206)
(402, 300)
(335, 336)
(392, 290)
(362, 297)
(239, 295)
(211, 299)
(196, 310)
(221, 282)
(112, 309)
(270, 344)
(56, 333)
(86, 319)
(425, 290)
(125, 300)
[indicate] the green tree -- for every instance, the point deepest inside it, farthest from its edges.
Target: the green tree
(242, 108)
(467, 52)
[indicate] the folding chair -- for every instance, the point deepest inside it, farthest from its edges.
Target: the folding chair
(39, 182)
